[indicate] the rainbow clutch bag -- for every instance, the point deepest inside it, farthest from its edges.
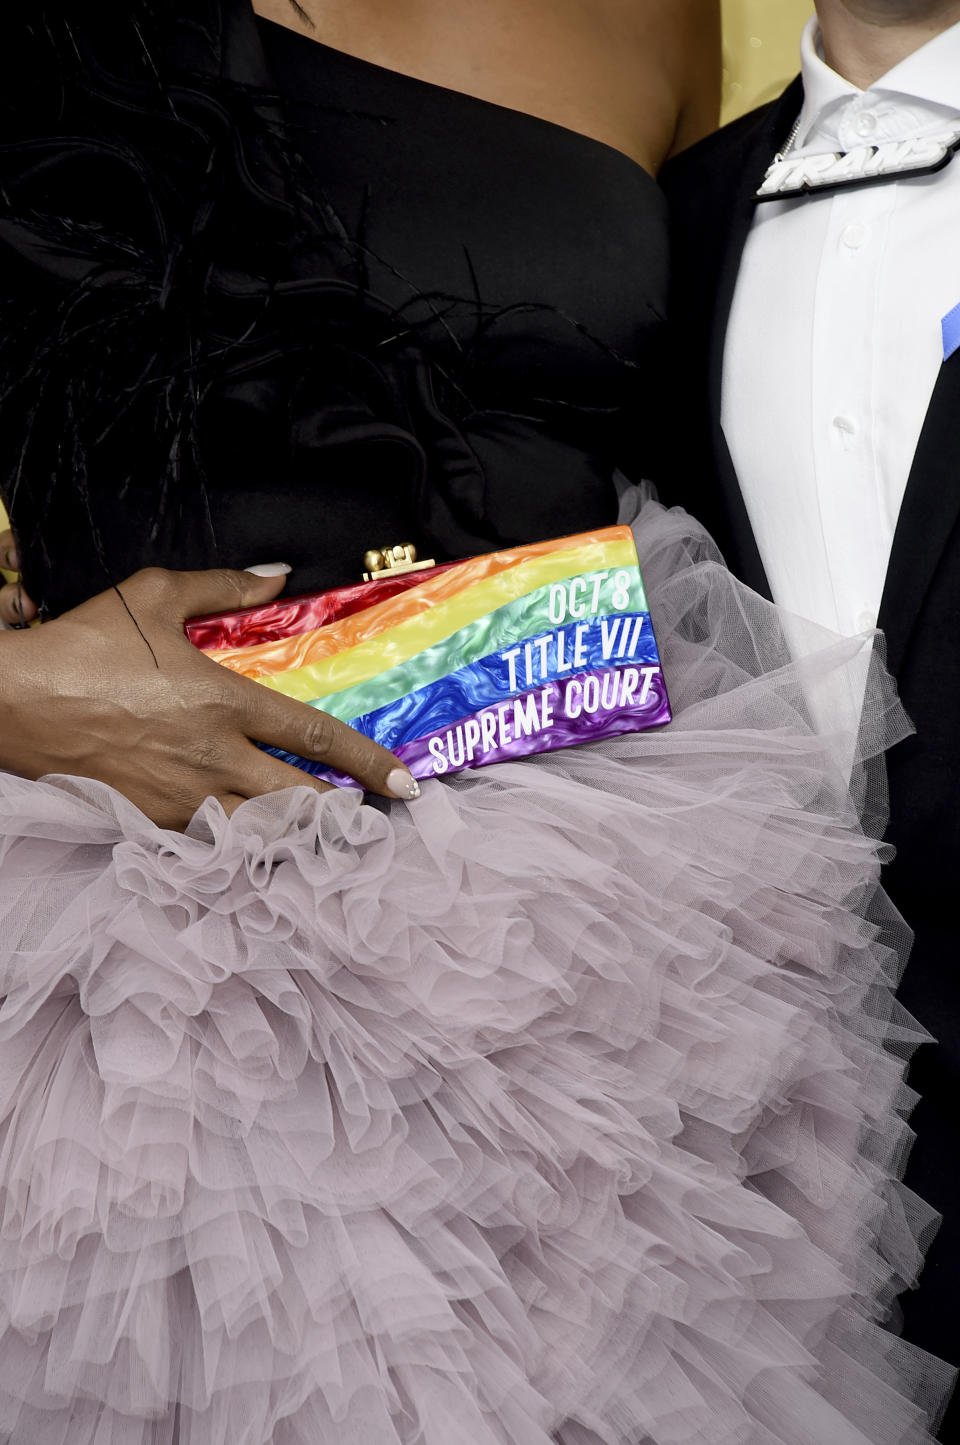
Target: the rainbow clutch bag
(455, 666)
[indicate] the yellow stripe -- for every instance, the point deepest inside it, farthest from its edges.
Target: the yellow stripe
(399, 644)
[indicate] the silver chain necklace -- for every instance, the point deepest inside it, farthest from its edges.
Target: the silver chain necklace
(789, 143)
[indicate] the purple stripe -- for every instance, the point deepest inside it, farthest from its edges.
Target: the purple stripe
(549, 717)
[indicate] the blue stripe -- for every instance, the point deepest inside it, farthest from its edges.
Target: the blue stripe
(490, 680)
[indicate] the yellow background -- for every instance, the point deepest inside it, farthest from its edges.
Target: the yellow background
(760, 50)
(760, 40)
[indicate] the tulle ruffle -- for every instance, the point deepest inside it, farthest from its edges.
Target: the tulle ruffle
(565, 1106)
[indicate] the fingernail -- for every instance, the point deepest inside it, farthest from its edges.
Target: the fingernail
(403, 784)
(270, 569)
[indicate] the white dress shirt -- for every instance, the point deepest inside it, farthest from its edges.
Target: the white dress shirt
(835, 340)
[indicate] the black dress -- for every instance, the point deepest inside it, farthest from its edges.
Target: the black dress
(555, 1109)
(459, 307)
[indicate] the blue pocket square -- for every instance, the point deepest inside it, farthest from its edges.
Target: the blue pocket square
(950, 325)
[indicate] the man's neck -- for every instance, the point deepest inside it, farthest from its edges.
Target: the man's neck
(863, 39)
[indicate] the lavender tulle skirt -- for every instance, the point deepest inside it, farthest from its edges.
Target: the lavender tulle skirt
(564, 1107)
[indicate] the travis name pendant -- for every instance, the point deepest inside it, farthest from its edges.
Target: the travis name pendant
(791, 176)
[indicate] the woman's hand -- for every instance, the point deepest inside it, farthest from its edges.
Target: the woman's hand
(83, 695)
(16, 608)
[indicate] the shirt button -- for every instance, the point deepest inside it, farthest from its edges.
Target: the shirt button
(866, 620)
(846, 425)
(865, 124)
(854, 236)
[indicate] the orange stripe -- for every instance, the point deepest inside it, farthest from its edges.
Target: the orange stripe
(288, 653)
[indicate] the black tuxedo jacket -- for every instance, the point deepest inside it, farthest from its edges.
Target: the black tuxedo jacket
(710, 188)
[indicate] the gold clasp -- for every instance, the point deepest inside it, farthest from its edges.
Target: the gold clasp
(385, 562)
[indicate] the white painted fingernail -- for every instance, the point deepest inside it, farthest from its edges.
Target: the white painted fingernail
(270, 569)
(403, 784)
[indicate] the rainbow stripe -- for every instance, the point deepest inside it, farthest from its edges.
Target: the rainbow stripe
(497, 657)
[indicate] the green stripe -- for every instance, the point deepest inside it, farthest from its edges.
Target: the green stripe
(500, 630)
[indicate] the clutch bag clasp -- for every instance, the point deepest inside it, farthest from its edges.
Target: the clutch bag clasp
(383, 562)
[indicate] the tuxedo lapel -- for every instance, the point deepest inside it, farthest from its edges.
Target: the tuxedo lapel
(928, 515)
(735, 209)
